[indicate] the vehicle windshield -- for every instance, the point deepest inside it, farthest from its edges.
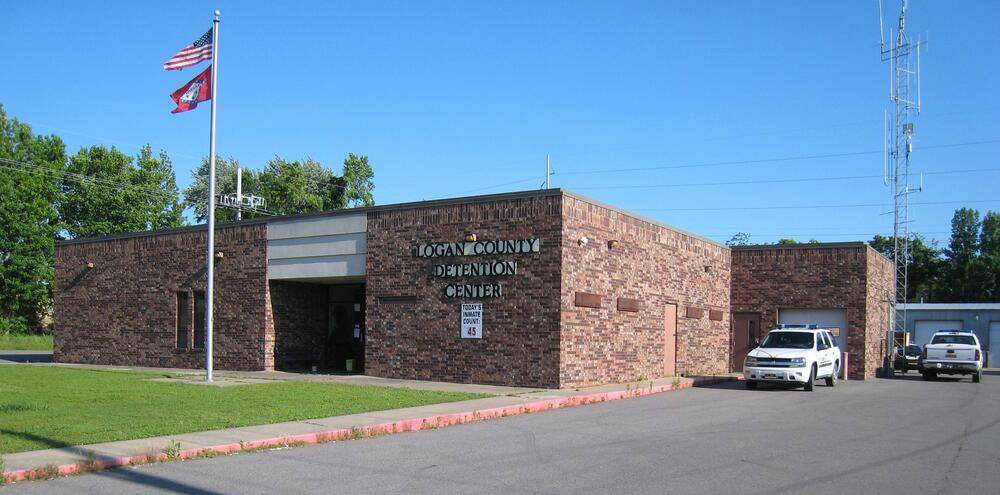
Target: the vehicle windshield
(953, 339)
(912, 350)
(788, 340)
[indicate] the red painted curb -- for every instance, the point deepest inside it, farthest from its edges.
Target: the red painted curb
(400, 426)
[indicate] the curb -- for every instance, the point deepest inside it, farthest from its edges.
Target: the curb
(400, 426)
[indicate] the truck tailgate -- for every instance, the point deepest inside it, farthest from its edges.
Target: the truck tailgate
(951, 352)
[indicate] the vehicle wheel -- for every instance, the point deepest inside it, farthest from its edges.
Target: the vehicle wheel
(812, 380)
(831, 381)
(751, 384)
(977, 376)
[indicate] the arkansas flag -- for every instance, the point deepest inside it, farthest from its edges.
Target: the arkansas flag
(196, 90)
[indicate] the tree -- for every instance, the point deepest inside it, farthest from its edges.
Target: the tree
(924, 268)
(739, 239)
(196, 195)
(786, 242)
(29, 190)
(964, 282)
(109, 192)
(288, 187)
(989, 253)
(358, 181)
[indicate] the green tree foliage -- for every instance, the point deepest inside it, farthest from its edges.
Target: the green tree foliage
(196, 195)
(108, 192)
(965, 281)
(739, 239)
(289, 187)
(358, 181)
(989, 253)
(29, 191)
(924, 269)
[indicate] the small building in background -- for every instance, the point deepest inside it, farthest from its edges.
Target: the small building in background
(923, 319)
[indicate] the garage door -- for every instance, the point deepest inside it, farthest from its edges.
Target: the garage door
(923, 330)
(826, 318)
(994, 344)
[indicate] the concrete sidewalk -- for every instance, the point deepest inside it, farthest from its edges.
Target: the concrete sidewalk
(508, 401)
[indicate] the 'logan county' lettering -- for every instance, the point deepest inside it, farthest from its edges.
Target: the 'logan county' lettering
(478, 248)
(485, 269)
(473, 291)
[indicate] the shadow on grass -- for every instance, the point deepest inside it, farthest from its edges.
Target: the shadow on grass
(49, 442)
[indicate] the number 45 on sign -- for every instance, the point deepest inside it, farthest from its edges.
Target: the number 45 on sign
(472, 321)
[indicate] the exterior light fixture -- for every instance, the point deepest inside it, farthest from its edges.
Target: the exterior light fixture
(470, 237)
(583, 241)
(708, 268)
(612, 244)
(219, 255)
(90, 264)
(977, 316)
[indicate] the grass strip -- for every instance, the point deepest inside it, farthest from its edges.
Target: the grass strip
(45, 407)
(24, 342)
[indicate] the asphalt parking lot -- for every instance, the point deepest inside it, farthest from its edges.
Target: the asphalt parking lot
(881, 436)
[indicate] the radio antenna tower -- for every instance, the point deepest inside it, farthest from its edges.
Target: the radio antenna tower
(903, 56)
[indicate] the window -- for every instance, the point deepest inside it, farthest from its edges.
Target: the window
(199, 319)
(788, 340)
(954, 339)
(183, 319)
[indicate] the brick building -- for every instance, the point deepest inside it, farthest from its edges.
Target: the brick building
(541, 288)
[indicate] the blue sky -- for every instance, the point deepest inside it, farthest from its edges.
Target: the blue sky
(452, 98)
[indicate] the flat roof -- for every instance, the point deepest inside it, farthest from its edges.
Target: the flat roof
(948, 306)
(799, 245)
(395, 206)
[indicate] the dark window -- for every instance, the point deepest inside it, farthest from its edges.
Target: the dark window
(199, 319)
(788, 340)
(183, 319)
(954, 339)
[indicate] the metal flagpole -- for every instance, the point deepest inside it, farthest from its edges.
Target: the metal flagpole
(211, 203)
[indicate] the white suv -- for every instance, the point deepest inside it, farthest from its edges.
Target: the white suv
(797, 354)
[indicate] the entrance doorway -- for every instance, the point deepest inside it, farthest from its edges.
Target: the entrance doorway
(746, 336)
(670, 340)
(344, 348)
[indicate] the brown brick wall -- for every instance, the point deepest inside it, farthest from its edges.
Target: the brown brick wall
(420, 340)
(299, 319)
(822, 277)
(123, 311)
(654, 265)
(881, 290)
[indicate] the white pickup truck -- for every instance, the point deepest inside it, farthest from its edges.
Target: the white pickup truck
(952, 353)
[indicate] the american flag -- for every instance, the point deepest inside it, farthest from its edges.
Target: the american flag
(190, 55)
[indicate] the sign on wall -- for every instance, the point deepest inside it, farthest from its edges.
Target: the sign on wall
(472, 321)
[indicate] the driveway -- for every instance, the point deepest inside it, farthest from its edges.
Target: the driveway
(881, 436)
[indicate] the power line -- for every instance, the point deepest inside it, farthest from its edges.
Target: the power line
(802, 207)
(773, 181)
(64, 175)
(728, 163)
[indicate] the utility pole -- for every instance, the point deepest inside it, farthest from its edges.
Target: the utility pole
(239, 192)
(548, 170)
(901, 54)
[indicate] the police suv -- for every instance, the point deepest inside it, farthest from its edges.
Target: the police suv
(797, 354)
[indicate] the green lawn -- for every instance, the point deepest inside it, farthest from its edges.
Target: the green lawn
(47, 407)
(20, 342)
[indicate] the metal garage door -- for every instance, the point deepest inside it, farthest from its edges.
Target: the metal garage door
(994, 344)
(827, 318)
(923, 330)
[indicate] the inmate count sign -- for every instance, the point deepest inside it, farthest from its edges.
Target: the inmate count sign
(472, 321)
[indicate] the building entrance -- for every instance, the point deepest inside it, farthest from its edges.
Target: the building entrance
(344, 348)
(746, 336)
